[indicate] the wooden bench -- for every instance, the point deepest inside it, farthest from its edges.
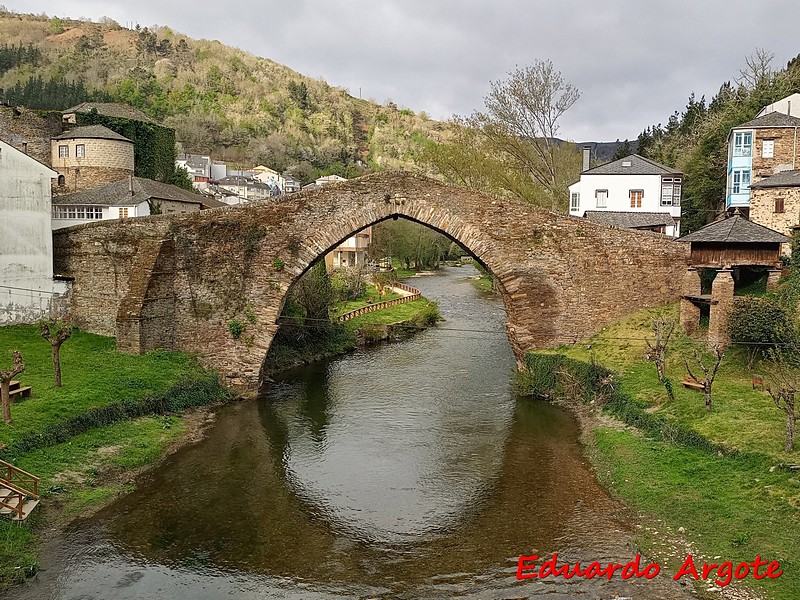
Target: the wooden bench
(693, 384)
(17, 391)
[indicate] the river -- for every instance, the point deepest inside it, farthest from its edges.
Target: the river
(403, 470)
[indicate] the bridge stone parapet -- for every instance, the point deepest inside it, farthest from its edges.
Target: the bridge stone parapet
(191, 282)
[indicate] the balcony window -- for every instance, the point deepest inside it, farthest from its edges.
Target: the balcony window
(742, 143)
(741, 181)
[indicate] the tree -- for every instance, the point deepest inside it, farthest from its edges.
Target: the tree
(5, 383)
(522, 124)
(783, 372)
(56, 334)
(662, 330)
(623, 150)
(757, 70)
(709, 372)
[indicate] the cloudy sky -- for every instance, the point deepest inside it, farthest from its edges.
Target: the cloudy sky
(635, 62)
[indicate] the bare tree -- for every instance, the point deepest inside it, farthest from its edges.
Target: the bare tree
(784, 383)
(757, 69)
(709, 372)
(522, 123)
(5, 383)
(56, 334)
(662, 330)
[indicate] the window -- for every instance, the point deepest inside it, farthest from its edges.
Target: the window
(742, 143)
(602, 198)
(62, 181)
(778, 205)
(768, 149)
(671, 191)
(636, 198)
(80, 150)
(574, 201)
(77, 212)
(63, 152)
(741, 181)
(123, 213)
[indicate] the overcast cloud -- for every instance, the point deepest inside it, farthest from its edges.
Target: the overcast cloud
(635, 62)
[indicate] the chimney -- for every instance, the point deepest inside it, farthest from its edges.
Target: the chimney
(130, 184)
(587, 153)
(25, 147)
(789, 108)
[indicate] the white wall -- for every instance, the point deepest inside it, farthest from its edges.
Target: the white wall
(26, 241)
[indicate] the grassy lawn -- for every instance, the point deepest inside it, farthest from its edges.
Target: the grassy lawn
(94, 375)
(399, 313)
(734, 506)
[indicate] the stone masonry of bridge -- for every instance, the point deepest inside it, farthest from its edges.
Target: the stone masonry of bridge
(181, 282)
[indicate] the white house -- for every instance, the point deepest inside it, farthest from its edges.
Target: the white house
(270, 177)
(632, 193)
(28, 291)
(132, 197)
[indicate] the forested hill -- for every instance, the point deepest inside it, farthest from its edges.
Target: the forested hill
(695, 140)
(219, 99)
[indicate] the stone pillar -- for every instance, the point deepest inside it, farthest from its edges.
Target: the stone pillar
(690, 312)
(772, 279)
(721, 306)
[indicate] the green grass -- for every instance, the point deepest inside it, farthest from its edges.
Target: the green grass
(485, 283)
(733, 507)
(94, 374)
(400, 313)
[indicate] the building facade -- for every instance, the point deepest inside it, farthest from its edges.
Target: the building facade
(632, 193)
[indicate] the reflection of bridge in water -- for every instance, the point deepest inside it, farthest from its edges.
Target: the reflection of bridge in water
(183, 282)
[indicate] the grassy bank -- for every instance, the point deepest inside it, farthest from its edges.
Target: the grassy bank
(721, 475)
(297, 344)
(113, 415)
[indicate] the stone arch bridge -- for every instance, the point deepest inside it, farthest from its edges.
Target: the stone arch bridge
(177, 282)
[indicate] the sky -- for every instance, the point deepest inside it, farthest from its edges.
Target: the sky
(634, 62)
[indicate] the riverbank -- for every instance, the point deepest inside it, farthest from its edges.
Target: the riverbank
(86, 441)
(299, 344)
(715, 484)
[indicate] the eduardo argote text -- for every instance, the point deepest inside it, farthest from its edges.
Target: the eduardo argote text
(723, 573)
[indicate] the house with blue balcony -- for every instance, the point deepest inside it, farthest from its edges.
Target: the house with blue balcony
(758, 149)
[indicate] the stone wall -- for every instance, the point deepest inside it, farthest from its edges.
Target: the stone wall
(784, 156)
(560, 278)
(762, 210)
(21, 126)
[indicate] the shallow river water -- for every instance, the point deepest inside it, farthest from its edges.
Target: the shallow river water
(405, 470)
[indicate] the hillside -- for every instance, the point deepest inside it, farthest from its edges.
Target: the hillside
(219, 99)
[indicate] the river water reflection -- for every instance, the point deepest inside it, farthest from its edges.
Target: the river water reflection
(407, 470)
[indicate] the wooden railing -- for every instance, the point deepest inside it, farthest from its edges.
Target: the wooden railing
(20, 484)
(22, 480)
(414, 295)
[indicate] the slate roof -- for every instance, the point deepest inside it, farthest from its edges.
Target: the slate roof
(119, 194)
(772, 119)
(92, 131)
(735, 229)
(629, 220)
(782, 179)
(639, 165)
(110, 109)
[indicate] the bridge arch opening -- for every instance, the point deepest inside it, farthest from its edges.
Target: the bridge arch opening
(304, 308)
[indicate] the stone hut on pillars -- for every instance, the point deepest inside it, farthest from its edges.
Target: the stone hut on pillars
(735, 248)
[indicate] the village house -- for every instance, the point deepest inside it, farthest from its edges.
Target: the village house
(28, 291)
(246, 188)
(131, 197)
(630, 193)
(761, 148)
(270, 177)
